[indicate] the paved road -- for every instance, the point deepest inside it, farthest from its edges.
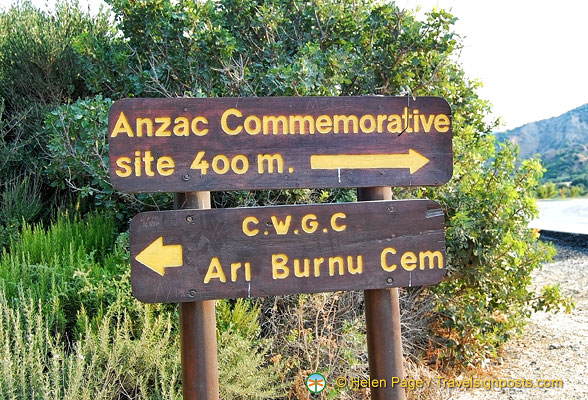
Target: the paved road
(562, 216)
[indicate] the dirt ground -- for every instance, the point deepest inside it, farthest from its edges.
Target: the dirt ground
(554, 348)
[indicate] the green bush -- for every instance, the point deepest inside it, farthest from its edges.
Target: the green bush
(124, 355)
(57, 265)
(14, 148)
(240, 345)
(78, 147)
(78, 152)
(546, 191)
(39, 64)
(564, 192)
(19, 202)
(70, 329)
(109, 361)
(550, 189)
(490, 254)
(39, 69)
(576, 191)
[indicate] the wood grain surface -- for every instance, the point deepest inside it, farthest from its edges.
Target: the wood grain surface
(191, 144)
(347, 246)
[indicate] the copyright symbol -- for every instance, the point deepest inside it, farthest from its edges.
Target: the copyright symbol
(341, 382)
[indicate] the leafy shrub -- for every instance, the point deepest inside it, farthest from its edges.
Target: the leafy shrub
(78, 145)
(490, 254)
(55, 265)
(39, 69)
(78, 148)
(70, 329)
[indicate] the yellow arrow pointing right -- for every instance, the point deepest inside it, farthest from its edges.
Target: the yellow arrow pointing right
(157, 257)
(413, 161)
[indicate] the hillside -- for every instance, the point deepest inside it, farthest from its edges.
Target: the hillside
(561, 142)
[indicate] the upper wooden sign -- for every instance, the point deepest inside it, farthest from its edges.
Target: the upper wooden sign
(196, 144)
(188, 255)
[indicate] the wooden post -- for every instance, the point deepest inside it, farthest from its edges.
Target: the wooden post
(198, 330)
(382, 319)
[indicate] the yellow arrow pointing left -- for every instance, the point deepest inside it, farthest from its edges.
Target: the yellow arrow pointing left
(157, 257)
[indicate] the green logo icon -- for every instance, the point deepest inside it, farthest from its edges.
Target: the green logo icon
(316, 383)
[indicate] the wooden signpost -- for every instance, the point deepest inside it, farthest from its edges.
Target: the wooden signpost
(184, 145)
(189, 255)
(194, 255)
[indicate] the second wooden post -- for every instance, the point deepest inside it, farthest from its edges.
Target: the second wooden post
(382, 319)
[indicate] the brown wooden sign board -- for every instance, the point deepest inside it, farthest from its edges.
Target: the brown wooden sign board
(202, 144)
(189, 255)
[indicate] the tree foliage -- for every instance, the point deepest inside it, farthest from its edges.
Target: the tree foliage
(39, 70)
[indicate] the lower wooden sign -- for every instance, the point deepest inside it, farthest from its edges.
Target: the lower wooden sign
(189, 255)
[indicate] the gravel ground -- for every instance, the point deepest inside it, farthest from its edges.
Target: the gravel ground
(553, 346)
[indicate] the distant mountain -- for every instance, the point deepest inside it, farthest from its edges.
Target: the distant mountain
(561, 143)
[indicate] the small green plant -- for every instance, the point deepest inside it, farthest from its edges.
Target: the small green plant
(576, 191)
(20, 201)
(243, 354)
